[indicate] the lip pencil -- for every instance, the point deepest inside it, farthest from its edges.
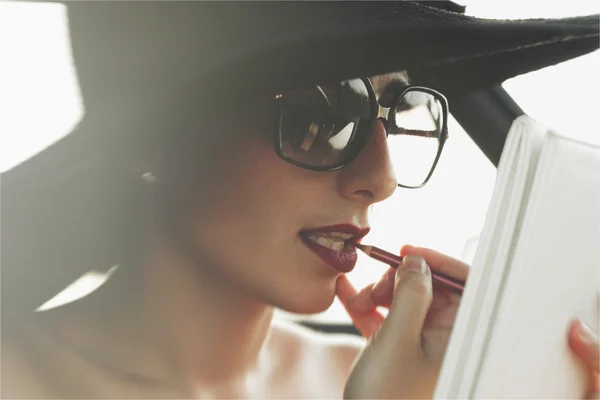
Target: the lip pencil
(394, 261)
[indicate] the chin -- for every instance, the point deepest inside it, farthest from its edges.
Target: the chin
(313, 307)
(312, 300)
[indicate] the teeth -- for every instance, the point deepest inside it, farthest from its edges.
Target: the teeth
(344, 236)
(332, 240)
(335, 245)
(341, 235)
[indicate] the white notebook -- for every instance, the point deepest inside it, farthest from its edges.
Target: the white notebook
(536, 268)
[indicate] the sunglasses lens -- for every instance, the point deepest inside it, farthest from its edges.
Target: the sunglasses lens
(414, 136)
(319, 126)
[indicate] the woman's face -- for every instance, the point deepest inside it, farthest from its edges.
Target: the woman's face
(252, 210)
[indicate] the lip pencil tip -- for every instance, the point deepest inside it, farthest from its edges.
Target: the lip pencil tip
(363, 248)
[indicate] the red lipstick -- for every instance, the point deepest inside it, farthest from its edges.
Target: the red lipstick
(344, 260)
(394, 261)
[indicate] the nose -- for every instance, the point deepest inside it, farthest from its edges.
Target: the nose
(370, 177)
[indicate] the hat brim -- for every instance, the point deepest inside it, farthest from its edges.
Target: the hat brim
(132, 57)
(62, 208)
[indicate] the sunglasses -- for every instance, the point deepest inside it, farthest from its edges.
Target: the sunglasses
(324, 128)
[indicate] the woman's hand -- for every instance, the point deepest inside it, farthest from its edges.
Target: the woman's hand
(584, 343)
(405, 350)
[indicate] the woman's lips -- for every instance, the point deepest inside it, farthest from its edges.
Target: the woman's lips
(343, 261)
(334, 244)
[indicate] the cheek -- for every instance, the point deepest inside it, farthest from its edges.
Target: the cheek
(247, 222)
(247, 209)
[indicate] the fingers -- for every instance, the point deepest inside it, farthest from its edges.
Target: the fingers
(383, 291)
(374, 295)
(344, 289)
(439, 262)
(381, 294)
(362, 306)
(365, 318)
(584, 343)
(412, 298)
(363, 301)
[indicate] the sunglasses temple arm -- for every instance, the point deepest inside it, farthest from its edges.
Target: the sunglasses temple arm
(415, 132)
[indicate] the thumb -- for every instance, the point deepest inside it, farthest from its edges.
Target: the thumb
(413, 294)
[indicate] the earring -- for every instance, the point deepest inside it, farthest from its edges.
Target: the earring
(148, 177)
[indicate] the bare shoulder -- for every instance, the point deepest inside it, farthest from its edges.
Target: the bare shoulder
(333, 350)
(313, 364)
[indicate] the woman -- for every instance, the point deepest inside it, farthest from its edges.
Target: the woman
(226, 202)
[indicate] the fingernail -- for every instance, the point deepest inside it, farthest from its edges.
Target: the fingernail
(415, 263)
(584, 332)
(407, 248)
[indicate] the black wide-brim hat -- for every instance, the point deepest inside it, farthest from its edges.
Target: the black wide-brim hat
(69, 209)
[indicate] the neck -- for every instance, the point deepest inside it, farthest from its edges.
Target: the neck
(212, 329)
(189, 325)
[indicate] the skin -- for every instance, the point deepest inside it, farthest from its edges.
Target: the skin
(200, 324)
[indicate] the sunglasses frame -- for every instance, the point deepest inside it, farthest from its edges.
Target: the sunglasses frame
(363, 129)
